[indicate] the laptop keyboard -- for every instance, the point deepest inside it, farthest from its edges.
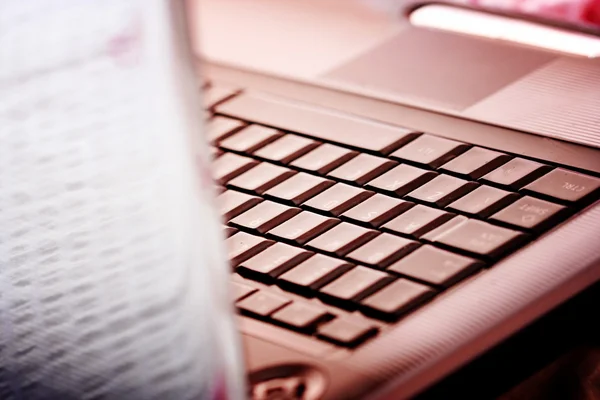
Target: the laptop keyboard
(338, 227)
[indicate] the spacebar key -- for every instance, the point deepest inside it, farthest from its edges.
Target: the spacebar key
(318, 123)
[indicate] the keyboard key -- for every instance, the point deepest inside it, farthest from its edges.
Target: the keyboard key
(318, 123)
(302, 316)
(214, 152)
(324, 158)
(313, 273)
(262, 303)
(475, 162)
(264, 216)
(286, 149)
(530, 213)
(401, 180)
(483, 201)
(273, 261)
(342, 239)
(563, 185)
(299, 188)
(362, 168)
(446, 226)
(430, 151)
(250, 138)
(346, 333)
(442, 190)
(436, 266)
(303, 227)
(230, 165)
(354, 285)
(481, 238)
(229, 231)
(234, 203)
(383, 250)
(261, 178)
(241, 290)
(417, 221)
(220, 128)
(337, 199)
(217, 94)
(242, 246)
(516, 173)
(376, 210)
(397, 298)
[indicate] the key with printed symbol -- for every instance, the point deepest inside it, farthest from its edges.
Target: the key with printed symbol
(446, 226)
(230, 165)
(342, 239)
(303, 227)
(234, 203)
(515, 173)
(299, 188)
(417, 221)
(286, 149)
(430, 151)
(337, 199)
(475, 162)
(242, 246)
(273, 261)
(262, 303)
(530, 213)
(435, 266)
(560, 184)
(383, 250)
(302, 316)
(264, 216)
(354, 286)
(441, 190)
(362, 168)
(346, 333)
(401, 180)
(399, 297)
(260, 178)
(376, 210)
(313, 273)
(324, 158)
(250, 138)
(482, 239)
(483, 201)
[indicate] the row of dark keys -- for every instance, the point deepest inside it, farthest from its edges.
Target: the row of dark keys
(378, 231)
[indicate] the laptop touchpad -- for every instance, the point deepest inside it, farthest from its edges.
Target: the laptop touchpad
(438, 69)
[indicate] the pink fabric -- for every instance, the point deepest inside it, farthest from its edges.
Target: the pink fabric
(576, 11)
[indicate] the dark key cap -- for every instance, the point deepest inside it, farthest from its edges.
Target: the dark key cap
(313, 273)
(436, 266)
(397, 298)
(362, 168)
(221, 127)
(563, 185)
(475, 162)
(286, 149)
(320, 124)
(262, 303)
(234, 203)
(354, 285)
(229, 231)
(217, 94)
(241, 290)
(342, 239)
(446, 226)
(250, 138)
(302, 316)
(337, 199)
(324, 158)
(303, 227)
(230, 165)
(383, 250)
(376, 210)
(401, 180)
(483, 201)
(442, 190)
(273, 261)
(299, 188)
(242, 246)
(481, 238)
(417, 221)
(530, 213)
(264, 216)
(516, 173)
(430, 151)
(261, 178)
(346, 333)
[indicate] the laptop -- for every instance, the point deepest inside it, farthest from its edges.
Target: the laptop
(397, 198)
